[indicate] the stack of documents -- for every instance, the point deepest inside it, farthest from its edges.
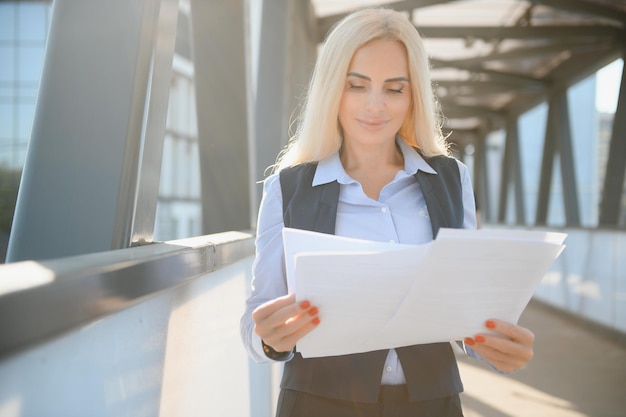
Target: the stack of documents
(374, 295)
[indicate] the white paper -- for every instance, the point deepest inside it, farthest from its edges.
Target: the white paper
(374, 295)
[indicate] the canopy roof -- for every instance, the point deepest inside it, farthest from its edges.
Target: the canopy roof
(492, 59)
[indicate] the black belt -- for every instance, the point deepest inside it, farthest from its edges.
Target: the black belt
(393, 393)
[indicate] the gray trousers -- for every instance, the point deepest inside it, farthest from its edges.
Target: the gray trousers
(392, 402)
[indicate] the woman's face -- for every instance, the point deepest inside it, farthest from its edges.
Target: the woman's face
(377, 94)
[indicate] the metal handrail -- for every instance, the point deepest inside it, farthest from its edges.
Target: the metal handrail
(44, 299)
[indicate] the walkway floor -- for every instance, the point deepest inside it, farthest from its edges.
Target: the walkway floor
(575, 373)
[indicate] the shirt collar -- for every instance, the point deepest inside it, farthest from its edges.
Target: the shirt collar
(330, 169)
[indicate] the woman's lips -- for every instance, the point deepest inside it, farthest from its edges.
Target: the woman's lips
(372, 124)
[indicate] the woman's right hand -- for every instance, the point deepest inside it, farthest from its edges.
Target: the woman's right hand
(282, 322)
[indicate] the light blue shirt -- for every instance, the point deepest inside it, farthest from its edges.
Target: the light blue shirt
(398, 216)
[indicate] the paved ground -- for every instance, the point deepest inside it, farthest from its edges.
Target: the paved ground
(575, 373)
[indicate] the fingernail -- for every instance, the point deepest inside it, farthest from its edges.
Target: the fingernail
(469, 341)
(490, 324)
(304, 305)
(313, 311)
(479, 339)
(316, 321)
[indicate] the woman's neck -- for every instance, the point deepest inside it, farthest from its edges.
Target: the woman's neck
(373, 167)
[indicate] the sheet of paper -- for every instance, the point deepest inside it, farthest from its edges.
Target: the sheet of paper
(299, 241)
(378, 296)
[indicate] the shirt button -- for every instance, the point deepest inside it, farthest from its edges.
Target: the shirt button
(388, 369)
(384, 209)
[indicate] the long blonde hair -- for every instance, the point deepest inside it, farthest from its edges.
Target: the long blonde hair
(318, 133)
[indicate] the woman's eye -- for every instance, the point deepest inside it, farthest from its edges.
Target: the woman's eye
(355, 86)
(396, 91)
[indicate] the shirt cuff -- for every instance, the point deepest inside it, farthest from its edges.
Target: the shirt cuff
(257, 344)
(472, 354)
(273, 354)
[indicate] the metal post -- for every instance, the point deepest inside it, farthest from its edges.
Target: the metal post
(566, 154)
(547, 166)
(287, 50)
(481, 185)
(220, 76)
(515, 159)
(512, 173)
(612, 194)
(94, 124)
(504, 180)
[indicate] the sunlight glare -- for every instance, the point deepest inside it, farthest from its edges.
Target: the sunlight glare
(607, 86)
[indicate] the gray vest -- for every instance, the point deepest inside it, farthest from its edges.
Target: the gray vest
(430, 370)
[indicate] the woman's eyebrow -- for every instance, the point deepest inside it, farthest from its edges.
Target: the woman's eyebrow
(389, 80)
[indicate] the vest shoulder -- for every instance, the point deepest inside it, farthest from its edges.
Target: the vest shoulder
(441, 163)
(299, 169)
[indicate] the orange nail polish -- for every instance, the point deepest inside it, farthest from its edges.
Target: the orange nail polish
(479, 339)
(490, 324)
(313, 311)
(316, 321)
(468, 341)
(305, 305)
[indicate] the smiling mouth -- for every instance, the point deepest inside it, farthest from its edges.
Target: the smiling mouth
(372, 124)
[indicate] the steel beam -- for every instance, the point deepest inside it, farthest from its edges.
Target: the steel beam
(287, 52)
(326, 22)
(220, 77)
(512, 175)
(529, 52)
(611, 206)
(481, 175)
(569, 32)
(558, 139)
(97, 133)
(588, 7)
(566, 158)
(547, 168)
(142, 210)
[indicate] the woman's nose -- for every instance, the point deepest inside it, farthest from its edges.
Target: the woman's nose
(376, 100)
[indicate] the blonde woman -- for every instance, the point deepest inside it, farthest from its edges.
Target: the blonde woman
(368, 161)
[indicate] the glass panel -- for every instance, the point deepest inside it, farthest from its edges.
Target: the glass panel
(28, 91)
(6, 93)
(6, 121)
(194, 170)
(6, 63)
(165, 186)
(6, 156)
(608, 78)
(25, 113)
(32, 21)
(7, 22)
(20, 155)
(191, 119)
(30, 63)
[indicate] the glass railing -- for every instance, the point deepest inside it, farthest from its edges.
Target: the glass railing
(151, 330)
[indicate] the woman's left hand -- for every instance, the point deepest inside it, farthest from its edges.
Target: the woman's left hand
(509, 349)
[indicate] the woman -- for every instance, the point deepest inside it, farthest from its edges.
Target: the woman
(368, 161)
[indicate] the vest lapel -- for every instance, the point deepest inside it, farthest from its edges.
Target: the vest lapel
(327, 213)
(436, 212)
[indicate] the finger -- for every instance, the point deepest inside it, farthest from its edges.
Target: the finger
(267, 309)
(513, 331)
(505, 354)
(289, 341)
(499, 360)
(286, 337)
(276, 313)
(294, 323)
(508, 347)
